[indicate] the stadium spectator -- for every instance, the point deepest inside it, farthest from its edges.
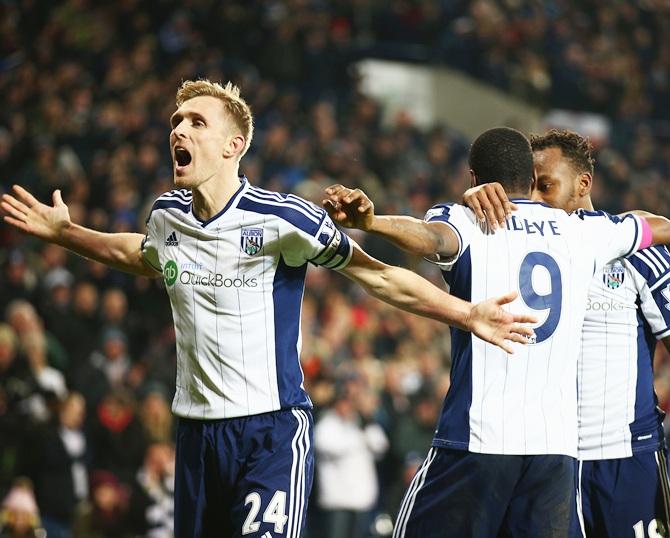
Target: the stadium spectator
(19, 513)
(106, 515)
(116, 435)
(348, 442)
(152, 498)
(56, 459)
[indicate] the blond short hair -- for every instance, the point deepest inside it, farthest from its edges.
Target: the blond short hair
(229, 95)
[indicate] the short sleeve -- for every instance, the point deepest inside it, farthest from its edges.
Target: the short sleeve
(322, 244)
(461, 220)
(149, 249)
(610, 236)
(653, 264)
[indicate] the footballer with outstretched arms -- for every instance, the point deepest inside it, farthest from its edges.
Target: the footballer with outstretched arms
(234, 259)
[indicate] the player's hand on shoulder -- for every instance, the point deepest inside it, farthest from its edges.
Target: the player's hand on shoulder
(31, 216)
(489, 202)
(350, 208)
(490, 322)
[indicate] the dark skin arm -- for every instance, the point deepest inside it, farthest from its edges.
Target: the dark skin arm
(352, 208)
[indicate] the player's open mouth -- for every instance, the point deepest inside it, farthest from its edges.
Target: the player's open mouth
(182, 157)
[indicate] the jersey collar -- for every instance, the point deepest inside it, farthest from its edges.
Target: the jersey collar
(244, 184)
(528, 202)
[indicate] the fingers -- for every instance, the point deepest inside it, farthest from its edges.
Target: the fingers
(524, 318)
(57, 198)
(507, 347)
(332, 189)
(13, 207)
(518, 338)
(524, 330)
(329, 205)
(16, 223)
(355, 195)
(24, 196)
(364, 206)
(500, 203)
(507, 298)
(337, 191)
(333, 210)
(473, 203)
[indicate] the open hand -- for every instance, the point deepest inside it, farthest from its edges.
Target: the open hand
(31, 216)
(491, 323)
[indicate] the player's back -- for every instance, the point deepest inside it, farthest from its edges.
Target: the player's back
(525, 403)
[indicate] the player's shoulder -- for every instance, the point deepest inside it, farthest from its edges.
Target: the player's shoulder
(589, 215)
(652, 262)
(450, 212)
(179, 199)
(285, 207)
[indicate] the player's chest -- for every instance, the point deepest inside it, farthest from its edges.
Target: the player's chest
(612, 294)
(225, 258)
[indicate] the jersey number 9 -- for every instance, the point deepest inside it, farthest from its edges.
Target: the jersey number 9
(551, 301)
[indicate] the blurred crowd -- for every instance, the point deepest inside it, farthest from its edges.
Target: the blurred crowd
(87, 354)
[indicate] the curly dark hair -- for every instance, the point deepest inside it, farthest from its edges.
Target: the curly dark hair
(573, 145)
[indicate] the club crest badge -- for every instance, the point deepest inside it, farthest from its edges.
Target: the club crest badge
(251, 240)
(613, 276)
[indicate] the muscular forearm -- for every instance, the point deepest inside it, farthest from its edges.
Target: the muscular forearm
(660, 229)
(118, 250)
(408, 291)
(410, 234)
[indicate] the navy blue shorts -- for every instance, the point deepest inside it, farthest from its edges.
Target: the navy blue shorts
(625, 497)
(248, 476)
(462, 494)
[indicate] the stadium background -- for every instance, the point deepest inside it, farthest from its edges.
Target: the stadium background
(87, 89)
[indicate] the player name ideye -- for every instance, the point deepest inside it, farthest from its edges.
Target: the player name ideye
(532, 227)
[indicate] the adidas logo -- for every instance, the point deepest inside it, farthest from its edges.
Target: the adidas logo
(171, 241)
(267, 535)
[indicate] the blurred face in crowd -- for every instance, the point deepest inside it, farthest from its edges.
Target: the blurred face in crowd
(558, 183)
(203, 139)
(114, 305)
(73, 411)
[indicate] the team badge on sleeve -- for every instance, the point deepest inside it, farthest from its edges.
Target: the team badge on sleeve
(613, 276)
(251, 240)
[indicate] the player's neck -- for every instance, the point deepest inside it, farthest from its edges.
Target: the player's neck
(518, 194)
(211, 197)
(586, 203)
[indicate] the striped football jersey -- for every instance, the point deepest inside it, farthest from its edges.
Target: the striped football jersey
(628, 309)
(236, 283)
(524, 403)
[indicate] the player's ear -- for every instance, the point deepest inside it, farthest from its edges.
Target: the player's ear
(473, 178)
(234, 146)
(585, 184)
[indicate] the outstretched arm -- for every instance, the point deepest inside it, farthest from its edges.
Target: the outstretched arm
(52, 224)
(352, 208)
(408, 291)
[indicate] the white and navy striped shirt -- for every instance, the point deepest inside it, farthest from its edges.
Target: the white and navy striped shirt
(627, 311)
(525, 403)
(236, 284)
